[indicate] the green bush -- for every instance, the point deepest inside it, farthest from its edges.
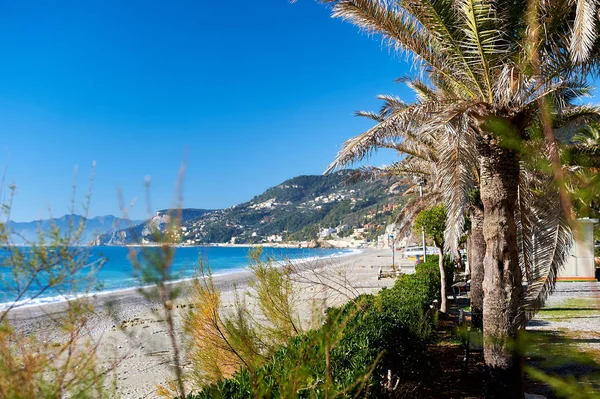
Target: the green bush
(299, 364)
(392, 329)
(362, 341)
(432, 266)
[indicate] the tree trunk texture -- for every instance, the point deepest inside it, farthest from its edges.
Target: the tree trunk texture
(502, 275)
(476, 253)
(443, 288)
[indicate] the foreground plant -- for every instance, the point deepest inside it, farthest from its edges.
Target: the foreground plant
(59, 360)
(45, 365)
(372, 346)
(220, 342)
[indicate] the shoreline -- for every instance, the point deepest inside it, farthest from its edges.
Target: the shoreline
(327, 244)
(43, 301)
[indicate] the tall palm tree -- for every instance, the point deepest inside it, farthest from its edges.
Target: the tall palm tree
(480, 89)
(420, 157)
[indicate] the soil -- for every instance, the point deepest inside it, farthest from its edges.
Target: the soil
(452, 376)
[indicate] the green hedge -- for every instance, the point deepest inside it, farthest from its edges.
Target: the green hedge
(432, 265)
(367, 337)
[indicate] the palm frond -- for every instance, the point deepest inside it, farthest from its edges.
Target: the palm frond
(416, 204)
(370, 115)
(482, 39)
(391, 104)
(408, 169)
(439, 18)
(575, 116)
(457, 164)
(588, 136)
(524, 222)
(421, 89)
(418, 150)
(402, 31)
(550, 244)
(418, 117)
(512, 88)
(584, 32)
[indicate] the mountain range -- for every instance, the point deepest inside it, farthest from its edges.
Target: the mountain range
(299, 209)
(23, 233)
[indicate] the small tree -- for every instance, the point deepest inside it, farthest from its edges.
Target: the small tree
(433, 222)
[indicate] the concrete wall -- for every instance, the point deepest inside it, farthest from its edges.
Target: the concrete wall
(581, 262)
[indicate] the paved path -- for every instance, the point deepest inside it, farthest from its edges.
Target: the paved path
(573, 307)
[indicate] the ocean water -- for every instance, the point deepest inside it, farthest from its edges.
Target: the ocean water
(117, 272)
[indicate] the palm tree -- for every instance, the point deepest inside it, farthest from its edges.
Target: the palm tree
(481, 98)
(476, 255)
(420, 159)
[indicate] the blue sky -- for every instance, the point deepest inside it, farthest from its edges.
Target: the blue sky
(253, 92)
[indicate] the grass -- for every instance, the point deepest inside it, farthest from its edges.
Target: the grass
(572, 308)
(564, 362)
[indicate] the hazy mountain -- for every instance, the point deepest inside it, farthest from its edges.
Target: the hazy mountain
(29, 232)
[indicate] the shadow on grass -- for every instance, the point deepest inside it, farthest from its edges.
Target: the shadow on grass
(558, 367)
(537, 323)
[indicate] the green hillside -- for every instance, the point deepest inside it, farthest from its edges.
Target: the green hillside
(297, 209)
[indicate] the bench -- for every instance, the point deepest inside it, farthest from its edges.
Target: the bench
(460, 288)
(388, 273)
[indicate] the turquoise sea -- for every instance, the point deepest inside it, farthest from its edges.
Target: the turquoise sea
(117, 272)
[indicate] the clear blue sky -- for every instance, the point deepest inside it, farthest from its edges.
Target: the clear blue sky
(255, 92)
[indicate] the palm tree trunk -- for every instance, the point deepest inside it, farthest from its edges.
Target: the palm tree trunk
(502, 274)
(476, 253)
(443, 288)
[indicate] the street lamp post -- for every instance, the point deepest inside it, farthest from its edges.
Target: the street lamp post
(421, 183)
(393, 252)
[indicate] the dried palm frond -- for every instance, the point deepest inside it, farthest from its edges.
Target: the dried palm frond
(584, 32)
(420, 117)
(549, 244)
(457, 164)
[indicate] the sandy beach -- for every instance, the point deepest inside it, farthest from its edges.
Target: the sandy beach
(132, 333)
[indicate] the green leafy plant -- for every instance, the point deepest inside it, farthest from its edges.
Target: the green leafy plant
(373, 345)
(432, 221)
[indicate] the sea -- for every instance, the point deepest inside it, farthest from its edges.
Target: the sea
(109, 269)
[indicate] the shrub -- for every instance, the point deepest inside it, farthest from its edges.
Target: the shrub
(351, 353)
(58, 359)
(221, 342)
